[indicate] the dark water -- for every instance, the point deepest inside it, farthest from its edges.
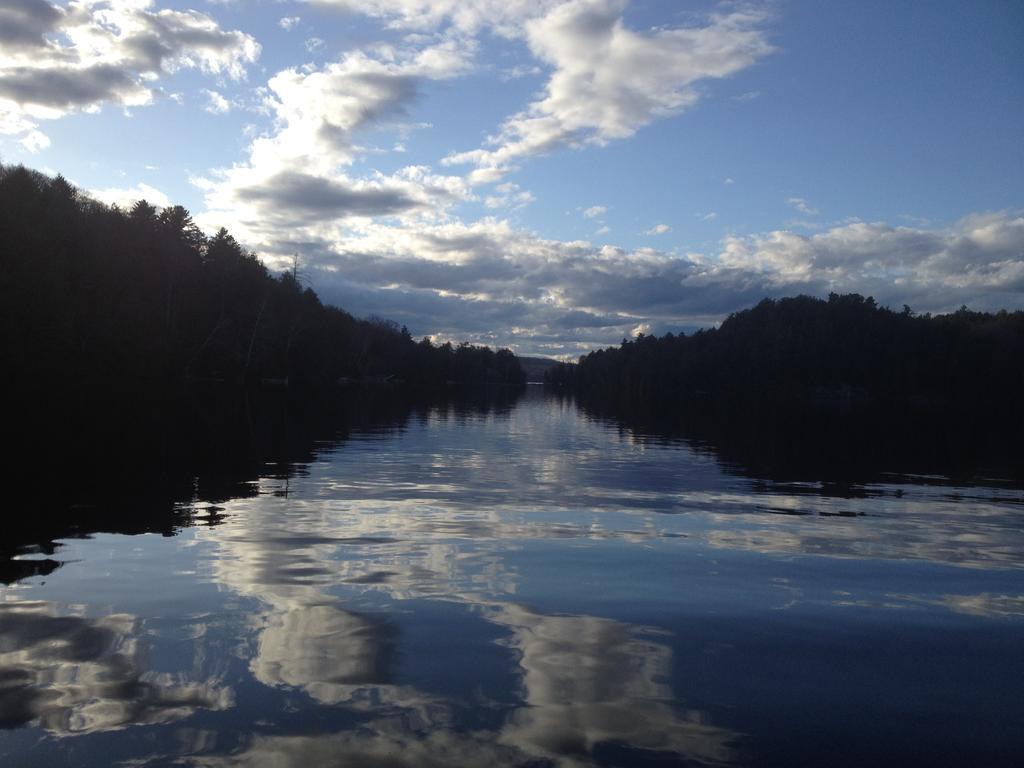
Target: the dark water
(523, 585)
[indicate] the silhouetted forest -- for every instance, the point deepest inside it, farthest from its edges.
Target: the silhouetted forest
(836, 389)
(844, 351)
(96, 297)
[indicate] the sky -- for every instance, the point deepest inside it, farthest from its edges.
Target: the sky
(550, 175)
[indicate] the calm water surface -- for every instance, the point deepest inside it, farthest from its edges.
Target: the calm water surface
(529, 586)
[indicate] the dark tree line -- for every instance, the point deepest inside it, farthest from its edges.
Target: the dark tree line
(838, 389)
(845, 351)
(95, 296)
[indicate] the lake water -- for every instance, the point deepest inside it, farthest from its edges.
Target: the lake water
(527, 585)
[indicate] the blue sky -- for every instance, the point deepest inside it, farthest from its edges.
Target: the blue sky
(551, 175)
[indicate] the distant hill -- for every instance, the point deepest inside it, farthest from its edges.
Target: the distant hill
(536, 367)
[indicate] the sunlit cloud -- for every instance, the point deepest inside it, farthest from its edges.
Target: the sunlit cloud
(802, 205)
(57, 60)
(126, 197)
(608, 81)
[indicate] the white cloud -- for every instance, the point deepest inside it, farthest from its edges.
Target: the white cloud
(12, 124)
(56, 60)
(608, 81)
(35, 141)
(509, 196)
(520, 70)
(127, 197)
(728, 180)
(594, 211)
(289, 23)
(314, 44)
(802, 205)
(658, 229)
(979, 257)
(504, 17)
(216, 104)
(295, 175)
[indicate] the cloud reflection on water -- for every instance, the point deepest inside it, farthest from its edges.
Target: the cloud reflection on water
(586, 681)
(73, 674)
(421, 517)
(589, 681)
(326, 577)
